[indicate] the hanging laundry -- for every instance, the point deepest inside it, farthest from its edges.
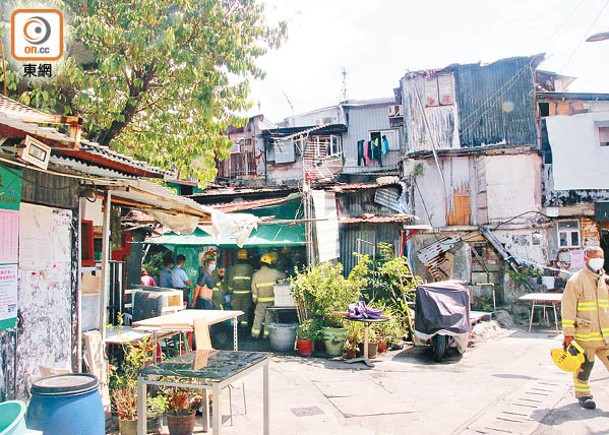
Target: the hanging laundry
(361, 153)
(376, 150)
(368, 152)
(385, 144)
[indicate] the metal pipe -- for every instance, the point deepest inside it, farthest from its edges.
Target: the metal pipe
(104, 284)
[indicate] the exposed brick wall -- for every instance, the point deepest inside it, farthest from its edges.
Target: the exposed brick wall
(590, 232)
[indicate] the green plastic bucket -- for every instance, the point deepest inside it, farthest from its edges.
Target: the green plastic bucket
(12, 417)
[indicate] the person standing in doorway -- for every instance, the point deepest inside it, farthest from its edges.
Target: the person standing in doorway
(585, 319)
(263, 295)
(180, 280)
(205, 283)
(238, 282)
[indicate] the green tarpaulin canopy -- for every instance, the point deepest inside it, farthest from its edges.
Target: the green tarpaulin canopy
(265, 236)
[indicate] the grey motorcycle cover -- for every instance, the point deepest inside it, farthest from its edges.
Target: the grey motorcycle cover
(442, 305)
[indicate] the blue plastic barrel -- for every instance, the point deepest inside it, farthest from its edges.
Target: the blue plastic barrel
(66, 405)
(12, 421)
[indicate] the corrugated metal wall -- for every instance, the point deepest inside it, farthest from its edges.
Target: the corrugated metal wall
(51, 190)
(361, 120)
(442, 120)
(497, 102)
(366, 237)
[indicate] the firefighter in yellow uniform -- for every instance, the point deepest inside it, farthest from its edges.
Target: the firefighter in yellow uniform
(238, 283)
(585, 318)
(262, 293)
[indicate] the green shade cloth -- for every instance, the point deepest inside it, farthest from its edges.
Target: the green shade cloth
(266, 236)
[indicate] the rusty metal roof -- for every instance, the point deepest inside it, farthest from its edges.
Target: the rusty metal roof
(104, 156)
(19, 120)
(19, 128)
(147, 195)
(392, 219)
(257, 203)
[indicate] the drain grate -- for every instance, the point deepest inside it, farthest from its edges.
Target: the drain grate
(306, 411)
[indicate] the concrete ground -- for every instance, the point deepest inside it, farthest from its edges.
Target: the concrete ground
(506, 384)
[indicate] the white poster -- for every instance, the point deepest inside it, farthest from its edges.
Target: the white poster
(8, 291)
(326, 224)
(577, 259)
(9, 236)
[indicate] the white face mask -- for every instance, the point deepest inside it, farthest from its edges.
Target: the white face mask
(596, 263)
(212, 267)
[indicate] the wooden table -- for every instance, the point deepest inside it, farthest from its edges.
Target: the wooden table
(208, 370)
(184, 321)
(543, 300)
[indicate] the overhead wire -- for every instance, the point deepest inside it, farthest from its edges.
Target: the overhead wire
(585, 34)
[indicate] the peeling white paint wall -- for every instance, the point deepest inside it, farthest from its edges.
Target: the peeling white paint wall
(44, 292)
(578, 134)
(513, 185)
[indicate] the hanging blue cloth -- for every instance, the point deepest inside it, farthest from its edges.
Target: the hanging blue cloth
(385, 144)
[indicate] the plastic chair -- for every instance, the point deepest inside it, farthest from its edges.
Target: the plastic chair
(203, 342)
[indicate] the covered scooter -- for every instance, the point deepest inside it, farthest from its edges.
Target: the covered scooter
(442, 316)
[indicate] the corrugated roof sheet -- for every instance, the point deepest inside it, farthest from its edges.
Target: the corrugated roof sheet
(138, 192)
(33, 129)
(16, 110)
(258, 203)
(20, 120)
(228, 191)
(93, 152)
(397, 218)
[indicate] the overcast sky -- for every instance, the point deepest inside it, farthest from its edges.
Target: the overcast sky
(377, 41)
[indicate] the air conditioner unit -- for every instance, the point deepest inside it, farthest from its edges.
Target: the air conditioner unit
(395, 110)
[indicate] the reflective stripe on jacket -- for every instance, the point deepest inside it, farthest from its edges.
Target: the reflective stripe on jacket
(585, 308)
(263, 282)
(238, 278)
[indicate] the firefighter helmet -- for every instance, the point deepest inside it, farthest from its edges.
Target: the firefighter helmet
(570, 359)
(267, 258)
(241, 254)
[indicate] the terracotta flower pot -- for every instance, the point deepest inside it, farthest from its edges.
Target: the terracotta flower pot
(382, 346)
(351, 353)
(305, 347)
(181, 424)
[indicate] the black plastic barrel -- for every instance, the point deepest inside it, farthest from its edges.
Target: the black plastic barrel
(66, 405)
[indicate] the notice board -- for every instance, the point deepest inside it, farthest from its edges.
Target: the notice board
(10, 199)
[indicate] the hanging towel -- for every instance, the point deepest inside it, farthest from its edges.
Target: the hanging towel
(368, 152)
(361, 155)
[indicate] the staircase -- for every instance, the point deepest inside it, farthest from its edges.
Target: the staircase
(317, 164)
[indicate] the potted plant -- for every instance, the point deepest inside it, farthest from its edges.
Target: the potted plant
(123, 385)
(307, 332)
(351, 349)
(182, 404)
(320, 291)
(125, 404)
(156, 408)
